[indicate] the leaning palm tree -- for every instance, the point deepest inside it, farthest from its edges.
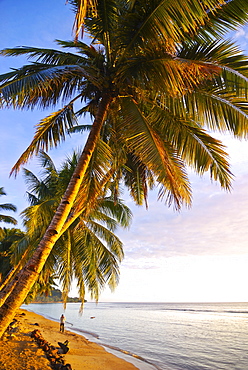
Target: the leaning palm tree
(7, 207)
(156, 77)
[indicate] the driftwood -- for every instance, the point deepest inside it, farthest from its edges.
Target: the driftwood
(56, 359)
(64, 346)
(13, 325)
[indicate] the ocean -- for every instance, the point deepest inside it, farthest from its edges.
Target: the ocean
(163, 336)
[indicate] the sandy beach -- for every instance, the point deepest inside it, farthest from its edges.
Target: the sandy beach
(20, 351)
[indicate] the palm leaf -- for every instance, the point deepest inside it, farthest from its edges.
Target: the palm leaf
(138, 179)
(48, 56)
(167, 74)
(231, 15)
(81, 7)
(2, 192)
(65, 271)
(170, 20)
(218, 112)
(8, 219)
(8, 207)
(158, 156)
(49, 133)
(196, 147)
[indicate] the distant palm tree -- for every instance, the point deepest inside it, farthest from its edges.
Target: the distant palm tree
(7, 207)
(156, 77)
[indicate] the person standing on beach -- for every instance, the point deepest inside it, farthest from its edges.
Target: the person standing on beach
(62, 323)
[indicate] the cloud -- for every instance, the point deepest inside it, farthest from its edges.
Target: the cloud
(241, 37)
(215, 225)
(185, 279)
(241, 33)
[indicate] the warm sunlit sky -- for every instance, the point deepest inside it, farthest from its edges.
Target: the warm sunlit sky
(199, 254)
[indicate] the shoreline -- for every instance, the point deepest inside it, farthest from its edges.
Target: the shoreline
(138, 362)
(21, 352)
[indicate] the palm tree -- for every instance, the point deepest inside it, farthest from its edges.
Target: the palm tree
(153, 78)
(8, 240)
(88, 251)
(7, 207)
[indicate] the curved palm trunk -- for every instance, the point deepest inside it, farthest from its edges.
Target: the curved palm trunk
(12, 272)
(30, 272)
(77, 212)
(7, 289)
(11, 280)
(7, 279)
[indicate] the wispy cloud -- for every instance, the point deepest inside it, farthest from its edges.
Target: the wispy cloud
(215, 225)
(241, 33)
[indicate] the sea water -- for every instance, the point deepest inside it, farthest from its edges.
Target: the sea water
(166, 336)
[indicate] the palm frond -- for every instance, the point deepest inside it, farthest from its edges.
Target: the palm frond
(231, 15)
(65, 272)
(92, 188)
(158, 156)
(41, 85)
(8, 207)
(8, 219)
(37, 217)
(80, 128)
(46, 56)
(194, 145)
(49, 133)
(138, 179)
(2, 192)
(99, 264)
(31, 180)
(116, 210)
(219, 112)
(172, 21)
(81, 8)
(166, 74)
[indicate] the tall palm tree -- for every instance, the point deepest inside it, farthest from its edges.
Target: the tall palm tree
(7, 207)
(155, 75)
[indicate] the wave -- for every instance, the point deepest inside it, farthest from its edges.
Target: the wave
(206, 310)
(114, 348)
(94, 335)
(131, 354)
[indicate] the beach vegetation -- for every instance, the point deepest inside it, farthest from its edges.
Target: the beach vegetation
(8, 240)
(155, 80)
(54, 296)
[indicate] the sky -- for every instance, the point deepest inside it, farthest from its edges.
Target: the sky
(195, 255)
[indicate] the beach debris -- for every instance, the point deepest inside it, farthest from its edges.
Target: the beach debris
(12, 325)
(92, 317)
(11, 336)
(52, 353)
(12, 328)
(64, 346)
(64, 367)
(20, 314)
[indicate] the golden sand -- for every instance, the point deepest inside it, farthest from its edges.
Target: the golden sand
(20, 351)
